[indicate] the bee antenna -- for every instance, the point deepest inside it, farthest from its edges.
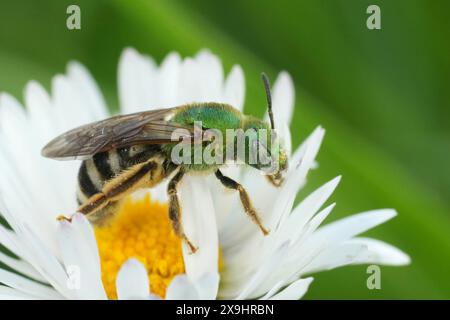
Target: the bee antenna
(265, 80)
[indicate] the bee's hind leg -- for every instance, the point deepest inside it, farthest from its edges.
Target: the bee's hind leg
(175, 210)
(245, 199)
(100, 207)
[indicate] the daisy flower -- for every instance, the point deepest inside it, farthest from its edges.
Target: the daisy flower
(138, 256)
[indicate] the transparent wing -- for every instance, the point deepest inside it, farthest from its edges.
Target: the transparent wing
(116, 132)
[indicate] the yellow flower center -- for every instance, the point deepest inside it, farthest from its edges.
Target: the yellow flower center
(141, 230)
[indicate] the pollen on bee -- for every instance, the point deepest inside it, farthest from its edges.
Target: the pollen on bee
(141, 230)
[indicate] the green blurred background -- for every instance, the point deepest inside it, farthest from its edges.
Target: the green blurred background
(382, 95)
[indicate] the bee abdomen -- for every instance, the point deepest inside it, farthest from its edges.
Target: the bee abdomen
(102, 206)
(102, 162)
(87, 185)
(95, 172)
(104, 166)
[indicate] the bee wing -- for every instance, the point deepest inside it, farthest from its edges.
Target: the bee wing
(150, 127)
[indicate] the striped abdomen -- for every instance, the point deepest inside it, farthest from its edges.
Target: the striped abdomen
(107, 177)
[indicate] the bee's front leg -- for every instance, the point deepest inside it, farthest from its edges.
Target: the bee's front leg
(175, 210)
(245, 199)
(276, 179)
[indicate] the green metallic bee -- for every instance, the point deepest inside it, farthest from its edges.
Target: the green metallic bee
(128, 152)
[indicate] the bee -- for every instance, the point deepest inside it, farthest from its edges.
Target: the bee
(128, 152)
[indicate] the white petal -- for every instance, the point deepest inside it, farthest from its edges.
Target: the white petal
(7, 293)
(71, 108)
(87, 87)
(294, 181)
(235, 88)
(80, 251)
(188, 90)
(25, 244)
(257, 280)
(9, 240)
(40, 257)
(273, 290)
(27, 286)
(263, 195)
(328, 247)
(209, 77)
(199, 223)
(72, 104)
(207, 286)
(299, 153)
(23, 210)
(19, 163)
(224, 199)
(169, 73)
(38, 105)
(21, 266)
(286, 139)
(294, 291)
(283, 99)
(336, 256)
(132, 281)
(315, 222)
(136, 78)
(269, 199)
(159, 192)
(291, 267)
(351, 226)
(57, 177)
(379, 252)
(307, 208)
(300, 254)
(181, 288)
(85, 231)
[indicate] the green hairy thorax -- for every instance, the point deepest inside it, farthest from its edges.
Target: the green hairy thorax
(219, 117)
(212, 115)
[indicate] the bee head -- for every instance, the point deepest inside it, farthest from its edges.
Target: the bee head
(264, 148)
(271, 156)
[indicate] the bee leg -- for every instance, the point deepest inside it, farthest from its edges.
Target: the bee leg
(62, 217)
(275, 179)
(245, 199)
(175, 210)
(96, 208)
